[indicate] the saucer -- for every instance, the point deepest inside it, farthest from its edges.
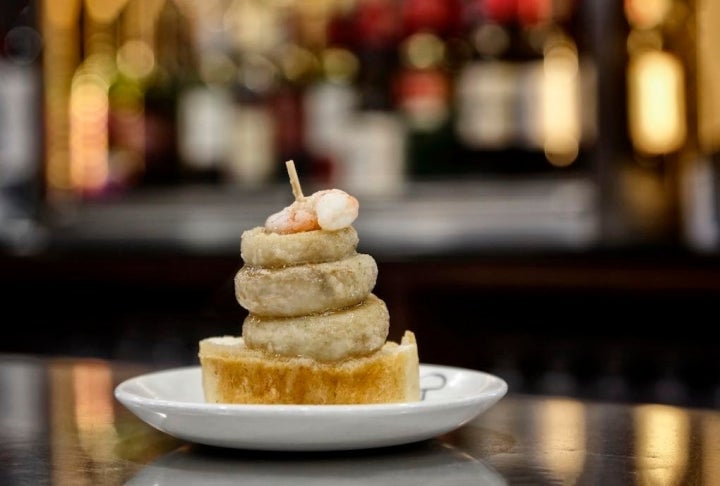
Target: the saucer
(172, 401)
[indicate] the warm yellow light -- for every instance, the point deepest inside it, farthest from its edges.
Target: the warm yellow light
(61, 55)
(254, 26)
(424, 50)
(711, 448)
(656, 90)
(298, 62)
(340, 64)
(646, 14)
(560, 108)
(62, 15)
(708, 68)
(100, 67)
(67, 468)
(94, 410)
(311, 19)
(103, 11)
(661, 444)
(642, 40)
(89, 169)
(139, 20)
(135, 59)
(562, 425)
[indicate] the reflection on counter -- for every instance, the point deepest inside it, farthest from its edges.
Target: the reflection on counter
(431, 462)
(24, 420)
(662, 444)
(562, 424)
(82, 402)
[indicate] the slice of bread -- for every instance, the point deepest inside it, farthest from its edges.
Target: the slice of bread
(234, 373)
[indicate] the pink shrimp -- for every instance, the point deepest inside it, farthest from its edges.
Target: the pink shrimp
(330, 210)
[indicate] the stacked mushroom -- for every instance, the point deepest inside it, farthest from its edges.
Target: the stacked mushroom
(315, 333)
(309, 295)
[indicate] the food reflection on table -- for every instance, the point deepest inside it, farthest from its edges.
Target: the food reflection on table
(61, 425)
(432, 462)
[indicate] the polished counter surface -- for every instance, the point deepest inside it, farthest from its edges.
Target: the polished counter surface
(60, 424)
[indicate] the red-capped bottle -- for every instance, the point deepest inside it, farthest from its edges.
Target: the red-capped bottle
(372, 158)
(423, 84)
(518, 100)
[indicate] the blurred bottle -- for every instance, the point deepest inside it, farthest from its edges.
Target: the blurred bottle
(299, 67)
(21, 136)
(90, 171)
(373, 159)
(659, 114)
(330, 101)
(518, 101)
(255, 31)
(126, 118)
(700, 178)
(126, 133)
(205, 102)
(600, 31)
(489, 88)
(204, 122)
(423, 87)
(173, 68)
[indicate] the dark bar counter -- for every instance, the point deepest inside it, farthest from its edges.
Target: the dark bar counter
(62, 425)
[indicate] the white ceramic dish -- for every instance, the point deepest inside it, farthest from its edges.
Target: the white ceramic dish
(172, 402)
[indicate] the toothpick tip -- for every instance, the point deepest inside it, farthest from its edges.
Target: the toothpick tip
(294, 180)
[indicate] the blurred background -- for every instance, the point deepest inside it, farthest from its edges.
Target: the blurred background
(538, 179)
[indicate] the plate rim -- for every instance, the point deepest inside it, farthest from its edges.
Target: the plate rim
(498, 390)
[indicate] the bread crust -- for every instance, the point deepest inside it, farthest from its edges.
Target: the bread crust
(262, 248)
(305, 289)
(233, 373)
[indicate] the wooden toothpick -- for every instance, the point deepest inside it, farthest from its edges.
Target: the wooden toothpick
(294, 181)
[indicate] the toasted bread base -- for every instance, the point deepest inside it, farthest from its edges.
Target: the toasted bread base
(233, 373)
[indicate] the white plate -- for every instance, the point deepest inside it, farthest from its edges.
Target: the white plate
(172, 401)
